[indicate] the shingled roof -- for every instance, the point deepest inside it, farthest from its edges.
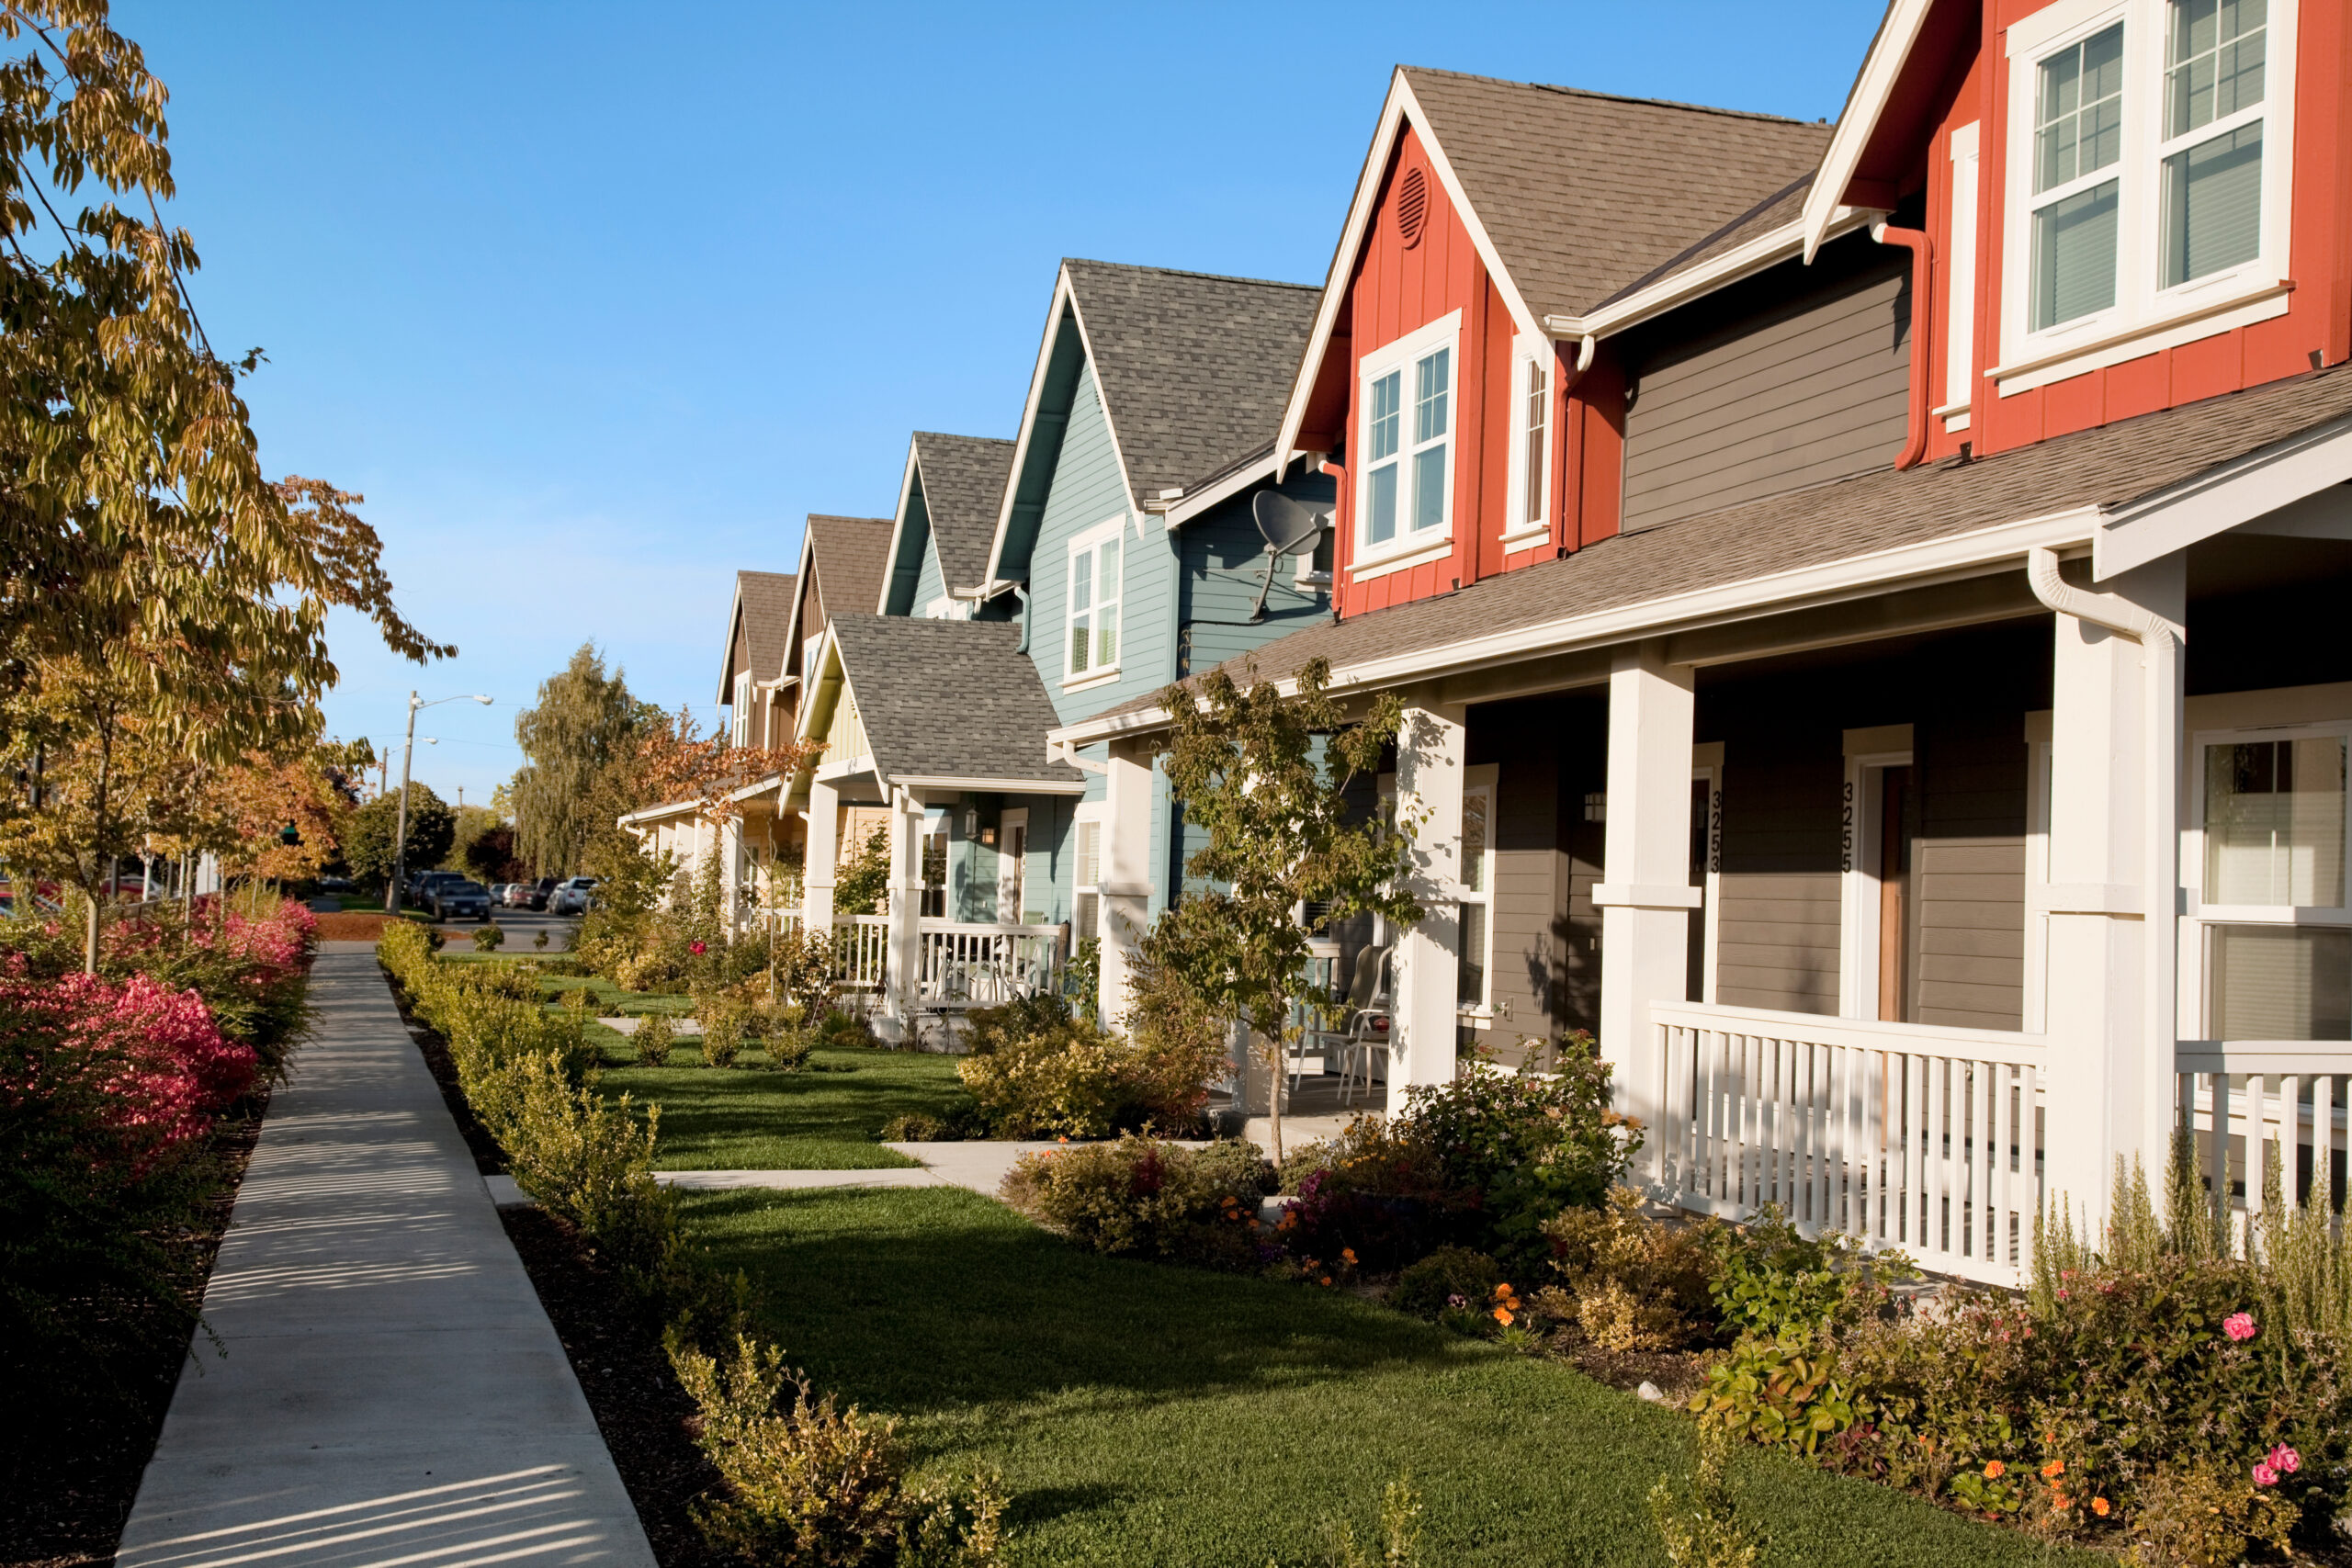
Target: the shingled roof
(850, 554)
(763, 610)
(2113, 465)
(1194, 368)
(1584, 193)
(963, 485)
(949, 699)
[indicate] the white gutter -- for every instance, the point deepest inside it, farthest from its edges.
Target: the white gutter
(988, 785)
(1973, 554)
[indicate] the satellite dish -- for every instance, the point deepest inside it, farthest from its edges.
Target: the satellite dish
(1291, 528)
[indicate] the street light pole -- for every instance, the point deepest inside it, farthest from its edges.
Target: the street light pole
(399, 835)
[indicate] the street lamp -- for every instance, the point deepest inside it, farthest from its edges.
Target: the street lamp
(400, 834)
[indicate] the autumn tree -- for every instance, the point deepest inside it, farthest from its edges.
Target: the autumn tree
(1265, 776)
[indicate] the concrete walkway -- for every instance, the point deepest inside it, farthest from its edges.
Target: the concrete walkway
(393, 1391)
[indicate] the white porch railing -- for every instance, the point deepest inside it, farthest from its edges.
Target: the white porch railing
(971, 961)
(2248, 1102)
(1905, 1135)
(861, 952)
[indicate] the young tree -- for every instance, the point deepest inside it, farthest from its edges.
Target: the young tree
(1266, 776)
(583, 723)
(368, 842)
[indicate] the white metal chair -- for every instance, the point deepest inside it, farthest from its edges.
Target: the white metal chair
(1363, 1025)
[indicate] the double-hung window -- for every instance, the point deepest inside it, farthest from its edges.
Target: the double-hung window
(1086, 902)
(743, 725)
(1477, 891)
(2149, 172)
(2278, 958)
(1405, 499)
(1528, 515)
(1092, 638)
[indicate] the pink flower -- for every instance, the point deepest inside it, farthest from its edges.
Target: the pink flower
(694, 948)
(2239, 1325)
(2265, 1476)
(2284, 1459)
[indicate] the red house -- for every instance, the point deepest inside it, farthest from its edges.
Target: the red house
(1865, 601)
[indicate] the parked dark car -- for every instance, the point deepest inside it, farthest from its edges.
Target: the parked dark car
(542, 891)
(460, 900)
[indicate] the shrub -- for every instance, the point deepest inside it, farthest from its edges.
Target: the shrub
(800, 962)
(1708, 1532)
(722, 1038)
(655, 1038)
(788, 1049)
(916, 1127)
(1141, 1198)
(810, 1482)
(1378, 1191)
(1451, 1285)
(491, 936)
(839, 1031)
(1635, 1283)
(1037, 1071)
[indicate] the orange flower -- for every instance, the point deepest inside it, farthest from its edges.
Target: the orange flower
(1327, 1279)
(2053, 1470)
(1501, 1291)
(2098, 1506)
(1349, 1254)
(1502, 1315)
(1994, 1470)
(2059, 1503)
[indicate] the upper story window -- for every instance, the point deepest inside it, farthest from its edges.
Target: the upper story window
(2148, 163)
(1404, 494)
(743, 716)
(1527, 513)
(1093, 638)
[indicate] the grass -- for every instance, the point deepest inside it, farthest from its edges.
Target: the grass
(1151, 1414)
(821, 1118)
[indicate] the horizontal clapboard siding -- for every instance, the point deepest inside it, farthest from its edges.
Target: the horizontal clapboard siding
(1777, 935)
(1815, 390)
(1520, 972)
(1969, 866)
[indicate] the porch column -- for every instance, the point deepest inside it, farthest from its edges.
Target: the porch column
(820, 863)
(730, 873)
(1646, 898)
(1430, 749)
(1126, 870)
(905, 961)
(2113, 895)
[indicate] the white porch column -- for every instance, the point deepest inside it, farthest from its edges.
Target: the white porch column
(1646, 898)
(2113, 895)
(1429, 751)
(730, 873)
(820, 863)
(905, 962)
(1126, 874)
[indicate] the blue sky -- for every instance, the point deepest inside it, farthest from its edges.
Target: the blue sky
(594, 302)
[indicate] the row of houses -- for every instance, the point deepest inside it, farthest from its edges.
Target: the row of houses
(1866, 598)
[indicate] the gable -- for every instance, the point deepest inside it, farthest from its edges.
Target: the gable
(913, 558)
(1055, 383)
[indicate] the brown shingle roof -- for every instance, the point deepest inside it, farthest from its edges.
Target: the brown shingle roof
(2112, 465)
(963, 485)
(1583, 193)
(764, 601)
(850, 555)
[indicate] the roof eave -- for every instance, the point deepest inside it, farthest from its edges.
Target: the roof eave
(1768, 249)
(1867, 100)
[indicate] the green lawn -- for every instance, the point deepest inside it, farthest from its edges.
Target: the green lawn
(1151, 1414)
(821, 1118)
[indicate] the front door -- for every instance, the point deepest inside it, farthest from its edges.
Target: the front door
(1894, 893)
(1012, 866)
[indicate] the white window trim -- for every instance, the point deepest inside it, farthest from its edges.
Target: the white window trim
(1707, 767)
(742, 716)
(1401, 355)
(2145, 317)
(1959, 305)
(1095, 813)
(1482, 780)
(1080, 544)
(1012, 870)
(1527, 353)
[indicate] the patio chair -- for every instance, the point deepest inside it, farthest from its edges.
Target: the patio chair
(1363, 1024)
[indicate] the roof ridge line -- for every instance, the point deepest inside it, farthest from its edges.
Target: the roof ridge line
(1188, 272)
(951, 436)
(1619, 97)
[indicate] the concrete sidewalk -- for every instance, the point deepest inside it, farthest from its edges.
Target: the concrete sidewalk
(393, 1391)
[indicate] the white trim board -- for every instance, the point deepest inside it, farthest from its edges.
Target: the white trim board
(1874, 87)
(1064, 295)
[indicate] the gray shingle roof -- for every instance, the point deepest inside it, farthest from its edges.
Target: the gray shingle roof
(764, 600)
(1194, 368)
(948, 698)
(850, 555)
(963, 485)
(1583, 193)
(2111, 466)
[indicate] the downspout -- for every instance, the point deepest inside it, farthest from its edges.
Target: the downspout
(1923, 279)
(1022, 614)
(2160, 642)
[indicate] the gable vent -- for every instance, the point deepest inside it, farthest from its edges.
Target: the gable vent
(1412, 205)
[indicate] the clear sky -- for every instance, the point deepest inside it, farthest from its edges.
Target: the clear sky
(594, 303)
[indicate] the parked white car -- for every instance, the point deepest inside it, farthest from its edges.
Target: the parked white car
(570, 895)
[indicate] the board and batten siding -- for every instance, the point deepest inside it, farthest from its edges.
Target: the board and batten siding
(1089, 489)
(1811, 390)
(1777, 935)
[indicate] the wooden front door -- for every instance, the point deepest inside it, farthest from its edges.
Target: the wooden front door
(1894, 913)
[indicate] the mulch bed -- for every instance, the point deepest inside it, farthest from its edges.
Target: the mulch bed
(67, 1479)
(351, 925)
(614, 1352)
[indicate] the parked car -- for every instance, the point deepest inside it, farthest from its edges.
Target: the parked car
(335, 885)
(542, 891)
(518, 895)
(421, 886)
(459, 899)
(570, 897)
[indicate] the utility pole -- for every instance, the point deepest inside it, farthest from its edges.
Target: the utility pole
(400, 834)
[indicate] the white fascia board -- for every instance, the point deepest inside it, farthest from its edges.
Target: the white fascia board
(824, 685)
(1194, 503)
(2221, 498)
(727, 659)
(1766, 250)
(1343, 256)
(650, 813)
(898, 529)
(1973, 554)
(803, 585)
(1873, 86)
(758, 787)
(992, 786)
(1028, 419)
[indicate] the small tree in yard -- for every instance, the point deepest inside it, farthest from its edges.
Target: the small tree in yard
(1280, 835)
